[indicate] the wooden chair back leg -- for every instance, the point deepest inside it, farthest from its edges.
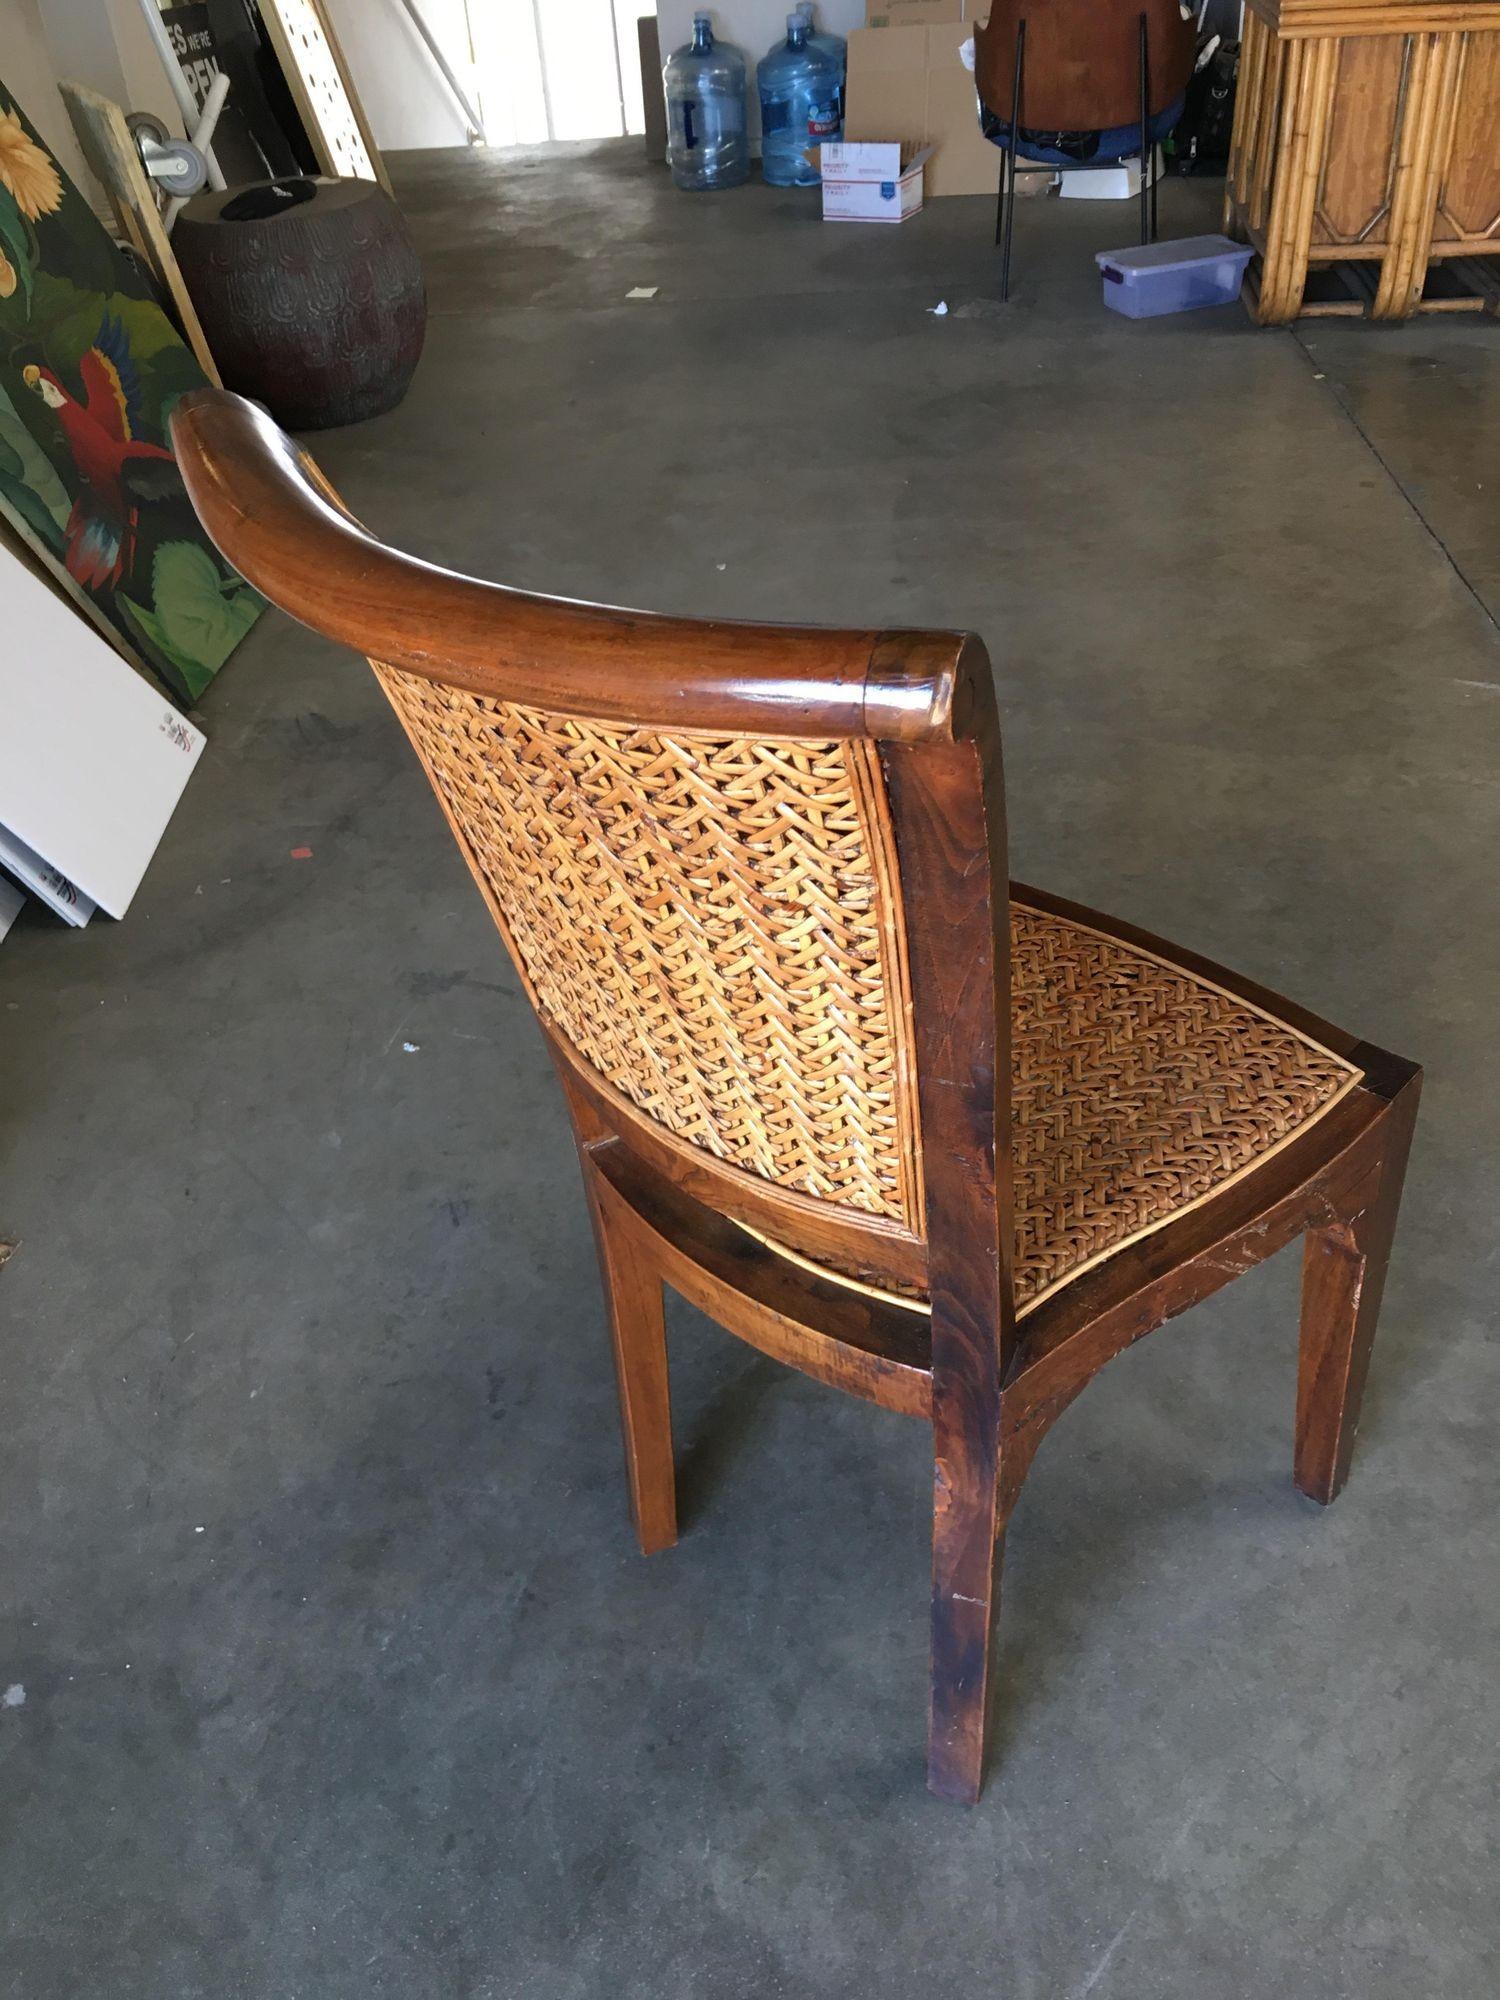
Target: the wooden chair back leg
(637, 1324)
(1343, 1276)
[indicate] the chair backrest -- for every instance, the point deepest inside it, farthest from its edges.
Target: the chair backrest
(1082, 71)
(746, 873)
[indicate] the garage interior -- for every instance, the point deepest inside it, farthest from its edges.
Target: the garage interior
(339, 1671)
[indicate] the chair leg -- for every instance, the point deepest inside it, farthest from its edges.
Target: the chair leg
(637, 1325)
(1145, 130)
(1343, 1276)
(968, 1543)
(1008, 165)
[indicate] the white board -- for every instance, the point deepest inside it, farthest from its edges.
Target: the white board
(44, 882)
(92, 759)
(11, 900)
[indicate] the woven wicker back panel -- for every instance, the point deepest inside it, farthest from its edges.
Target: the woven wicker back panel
(712, 923)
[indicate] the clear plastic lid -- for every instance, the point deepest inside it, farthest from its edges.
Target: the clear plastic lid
(1180, 254)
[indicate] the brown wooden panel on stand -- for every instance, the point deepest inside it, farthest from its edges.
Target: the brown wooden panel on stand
(943, 1141)
(1083, 60)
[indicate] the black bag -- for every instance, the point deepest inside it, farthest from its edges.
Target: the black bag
(1200, 144)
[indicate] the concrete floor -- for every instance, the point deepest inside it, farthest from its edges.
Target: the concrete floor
(341, 1678)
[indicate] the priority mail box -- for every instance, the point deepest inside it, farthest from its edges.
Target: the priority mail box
(871, 180)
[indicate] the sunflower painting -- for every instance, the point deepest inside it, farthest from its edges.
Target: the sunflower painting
(90, 367)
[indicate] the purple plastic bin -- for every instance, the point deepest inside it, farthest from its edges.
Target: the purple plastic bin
(1152, 278)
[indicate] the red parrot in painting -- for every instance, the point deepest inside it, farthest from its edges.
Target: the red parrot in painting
(116, 470)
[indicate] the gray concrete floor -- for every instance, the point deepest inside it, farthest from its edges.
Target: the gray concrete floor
(341, 1677)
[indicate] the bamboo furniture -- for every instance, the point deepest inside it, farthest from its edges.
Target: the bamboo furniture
(944, 1148)
(1367, 138)
(1074, 65)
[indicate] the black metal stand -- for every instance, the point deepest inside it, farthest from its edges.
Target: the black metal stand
(1006, 211)
(1148, 199)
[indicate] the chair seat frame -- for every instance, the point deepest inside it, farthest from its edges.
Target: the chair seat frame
(665, 1213)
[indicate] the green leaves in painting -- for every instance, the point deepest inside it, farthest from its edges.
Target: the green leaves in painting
(31, 463)
(17, 252)
(200, 615)
(18, 496)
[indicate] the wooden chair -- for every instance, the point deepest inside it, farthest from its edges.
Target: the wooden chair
(946, 1149)
(1080, 66)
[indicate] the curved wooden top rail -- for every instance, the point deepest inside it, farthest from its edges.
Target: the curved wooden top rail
(268, 512)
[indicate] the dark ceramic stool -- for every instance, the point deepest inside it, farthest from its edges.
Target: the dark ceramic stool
(310, 294)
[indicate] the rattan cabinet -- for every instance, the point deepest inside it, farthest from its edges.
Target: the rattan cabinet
(1366, 150)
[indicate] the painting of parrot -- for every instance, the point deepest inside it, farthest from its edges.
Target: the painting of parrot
(91, 368)
(118, 472)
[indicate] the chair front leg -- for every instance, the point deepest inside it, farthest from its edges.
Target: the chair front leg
(637, 1324)
(1343, 1277)
(968, 1542)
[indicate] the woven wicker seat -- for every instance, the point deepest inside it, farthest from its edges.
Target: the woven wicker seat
(944, 1148)
(1139, 1090)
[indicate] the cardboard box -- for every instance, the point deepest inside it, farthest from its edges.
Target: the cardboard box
(871, 180)
(1119, 182)
(963, 161)
(911, 83)
(885, 87)
(912, 13)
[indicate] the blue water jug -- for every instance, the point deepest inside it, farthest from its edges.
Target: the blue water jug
(799, 107)
(832, 46)
(707, 145)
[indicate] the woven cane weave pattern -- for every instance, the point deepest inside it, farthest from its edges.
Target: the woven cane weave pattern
(1138, 1090)
(706, 920)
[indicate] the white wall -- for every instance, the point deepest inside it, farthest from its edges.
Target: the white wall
(103, 43)
(107, 45)
(404, 96)
(31, 81)
(536, 69)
